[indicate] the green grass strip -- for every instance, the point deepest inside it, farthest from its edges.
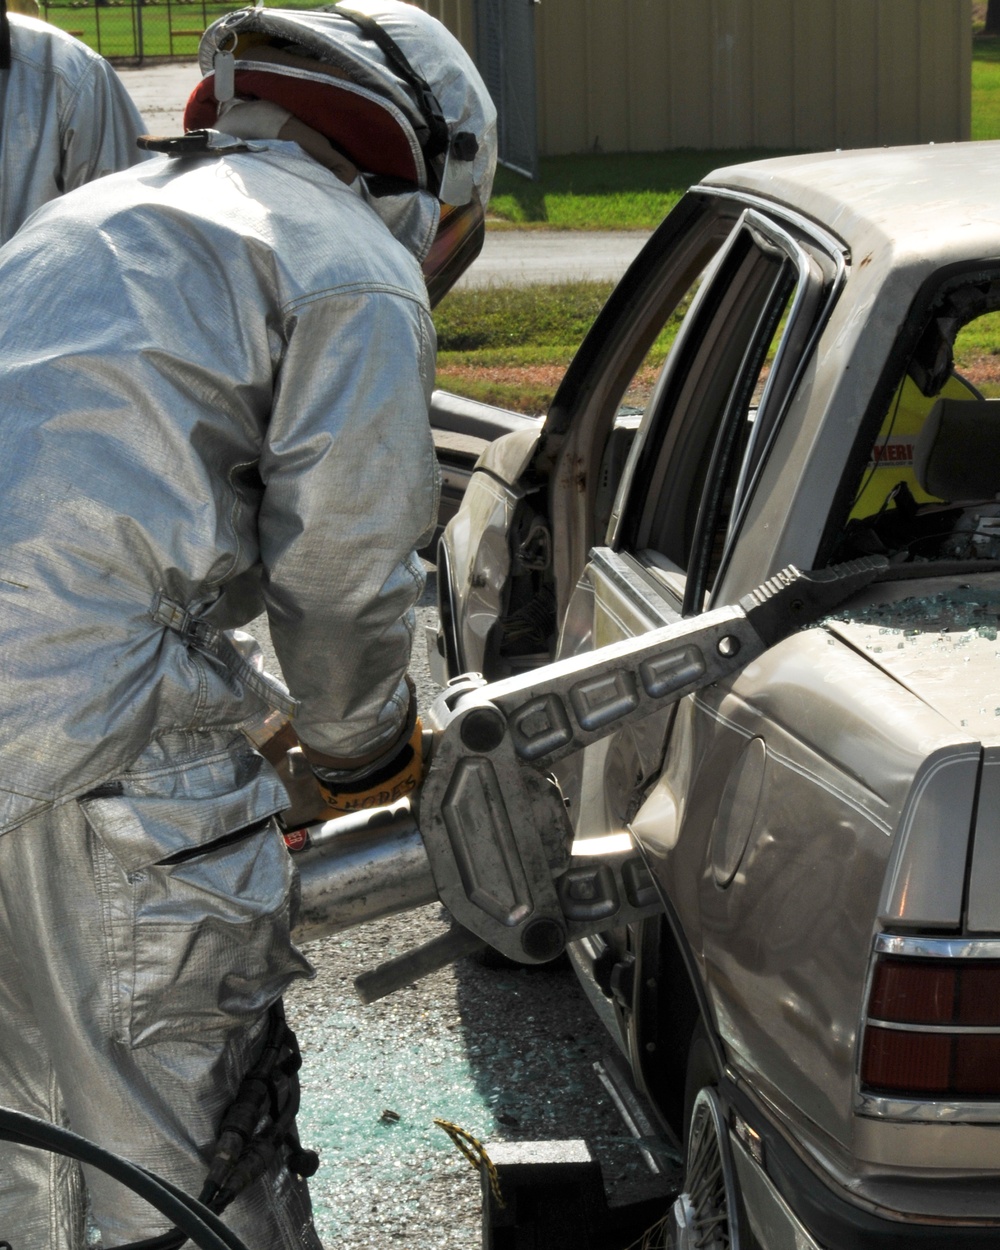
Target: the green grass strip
(112, 28)
(510, 345)
(615, 191)
(508, 320)
(986, 88)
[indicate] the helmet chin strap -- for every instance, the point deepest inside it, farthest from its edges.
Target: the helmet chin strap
(263, 119)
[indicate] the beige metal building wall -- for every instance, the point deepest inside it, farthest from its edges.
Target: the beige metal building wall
(646, 75)
(457, 16)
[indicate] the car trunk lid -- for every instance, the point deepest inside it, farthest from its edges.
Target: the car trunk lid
(938, 638)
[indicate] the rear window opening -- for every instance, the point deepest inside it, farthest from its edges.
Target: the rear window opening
(930, 490)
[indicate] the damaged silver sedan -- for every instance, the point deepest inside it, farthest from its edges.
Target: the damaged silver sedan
(816, 1013)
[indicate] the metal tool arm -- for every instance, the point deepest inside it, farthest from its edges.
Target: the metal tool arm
(491, 838)
(493, 821)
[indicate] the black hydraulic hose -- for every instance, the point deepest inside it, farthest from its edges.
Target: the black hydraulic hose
(168, 1241)
(189, 1216)
(244, 1151)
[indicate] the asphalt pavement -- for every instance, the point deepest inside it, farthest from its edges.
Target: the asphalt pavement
(517, 257)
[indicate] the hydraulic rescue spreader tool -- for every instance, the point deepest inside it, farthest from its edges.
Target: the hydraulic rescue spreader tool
(490, 835)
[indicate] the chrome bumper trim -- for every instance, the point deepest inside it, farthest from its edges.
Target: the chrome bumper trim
(772, 1221)
(913, 1111)
(937, 948)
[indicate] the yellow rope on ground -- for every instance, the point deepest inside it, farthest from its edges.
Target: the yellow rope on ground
(654, 1237)
(475, 1152)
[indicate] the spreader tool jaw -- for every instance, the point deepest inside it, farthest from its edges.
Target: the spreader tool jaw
(492, 817)
(792, 599)
(497, 833)
(492, 820)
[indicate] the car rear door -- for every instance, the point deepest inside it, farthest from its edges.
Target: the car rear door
(695, 461)
(677, 518)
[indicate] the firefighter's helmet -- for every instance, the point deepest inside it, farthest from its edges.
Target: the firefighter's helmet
(383, 82)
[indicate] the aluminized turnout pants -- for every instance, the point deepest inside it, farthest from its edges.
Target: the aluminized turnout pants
(132, 1000)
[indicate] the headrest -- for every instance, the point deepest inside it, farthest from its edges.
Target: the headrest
(956, 456)
(369, 130)
(4, 36)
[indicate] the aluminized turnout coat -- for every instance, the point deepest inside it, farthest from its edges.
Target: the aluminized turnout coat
(222, 411)
(65, 119)
(214, 402)
(215, 373)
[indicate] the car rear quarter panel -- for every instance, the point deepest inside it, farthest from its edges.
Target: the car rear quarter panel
(789, 786)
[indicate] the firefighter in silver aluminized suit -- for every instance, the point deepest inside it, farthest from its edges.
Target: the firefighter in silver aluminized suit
(65, 118)
(215, 371)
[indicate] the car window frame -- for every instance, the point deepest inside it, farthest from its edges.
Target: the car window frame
(583, 412)
(732, 426)
(822, 272)
(817, 264)
(932, 288)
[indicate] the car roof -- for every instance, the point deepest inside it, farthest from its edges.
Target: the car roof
(936, 199)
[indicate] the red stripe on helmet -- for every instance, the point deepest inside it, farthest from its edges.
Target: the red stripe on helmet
(361, 128)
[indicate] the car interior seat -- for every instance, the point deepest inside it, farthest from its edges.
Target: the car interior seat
(956, 455)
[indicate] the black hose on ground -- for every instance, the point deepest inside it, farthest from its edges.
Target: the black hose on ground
(193, 1220)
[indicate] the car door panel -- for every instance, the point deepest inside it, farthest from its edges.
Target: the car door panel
(463, 430)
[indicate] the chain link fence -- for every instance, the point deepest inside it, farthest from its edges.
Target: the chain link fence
(505, 39)
(141, 30)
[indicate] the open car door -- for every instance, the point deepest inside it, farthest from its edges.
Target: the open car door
(541, 495)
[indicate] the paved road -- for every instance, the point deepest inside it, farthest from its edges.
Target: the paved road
(520, 257)
(160, 92)
(517, 257)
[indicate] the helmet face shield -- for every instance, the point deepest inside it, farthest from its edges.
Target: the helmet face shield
(458, 241)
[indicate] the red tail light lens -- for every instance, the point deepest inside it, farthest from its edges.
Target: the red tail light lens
(936, 1065)
(943, 1047)
(936, 991)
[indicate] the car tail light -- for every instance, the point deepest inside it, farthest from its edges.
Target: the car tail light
(933, 1028)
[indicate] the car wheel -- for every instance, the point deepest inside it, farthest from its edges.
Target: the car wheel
(708, 1213)
(704, 1216)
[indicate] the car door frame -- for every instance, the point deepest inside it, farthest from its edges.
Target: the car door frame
(821, 265)
(621, 590)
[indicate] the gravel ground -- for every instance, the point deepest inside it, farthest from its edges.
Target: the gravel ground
(507, 1054)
